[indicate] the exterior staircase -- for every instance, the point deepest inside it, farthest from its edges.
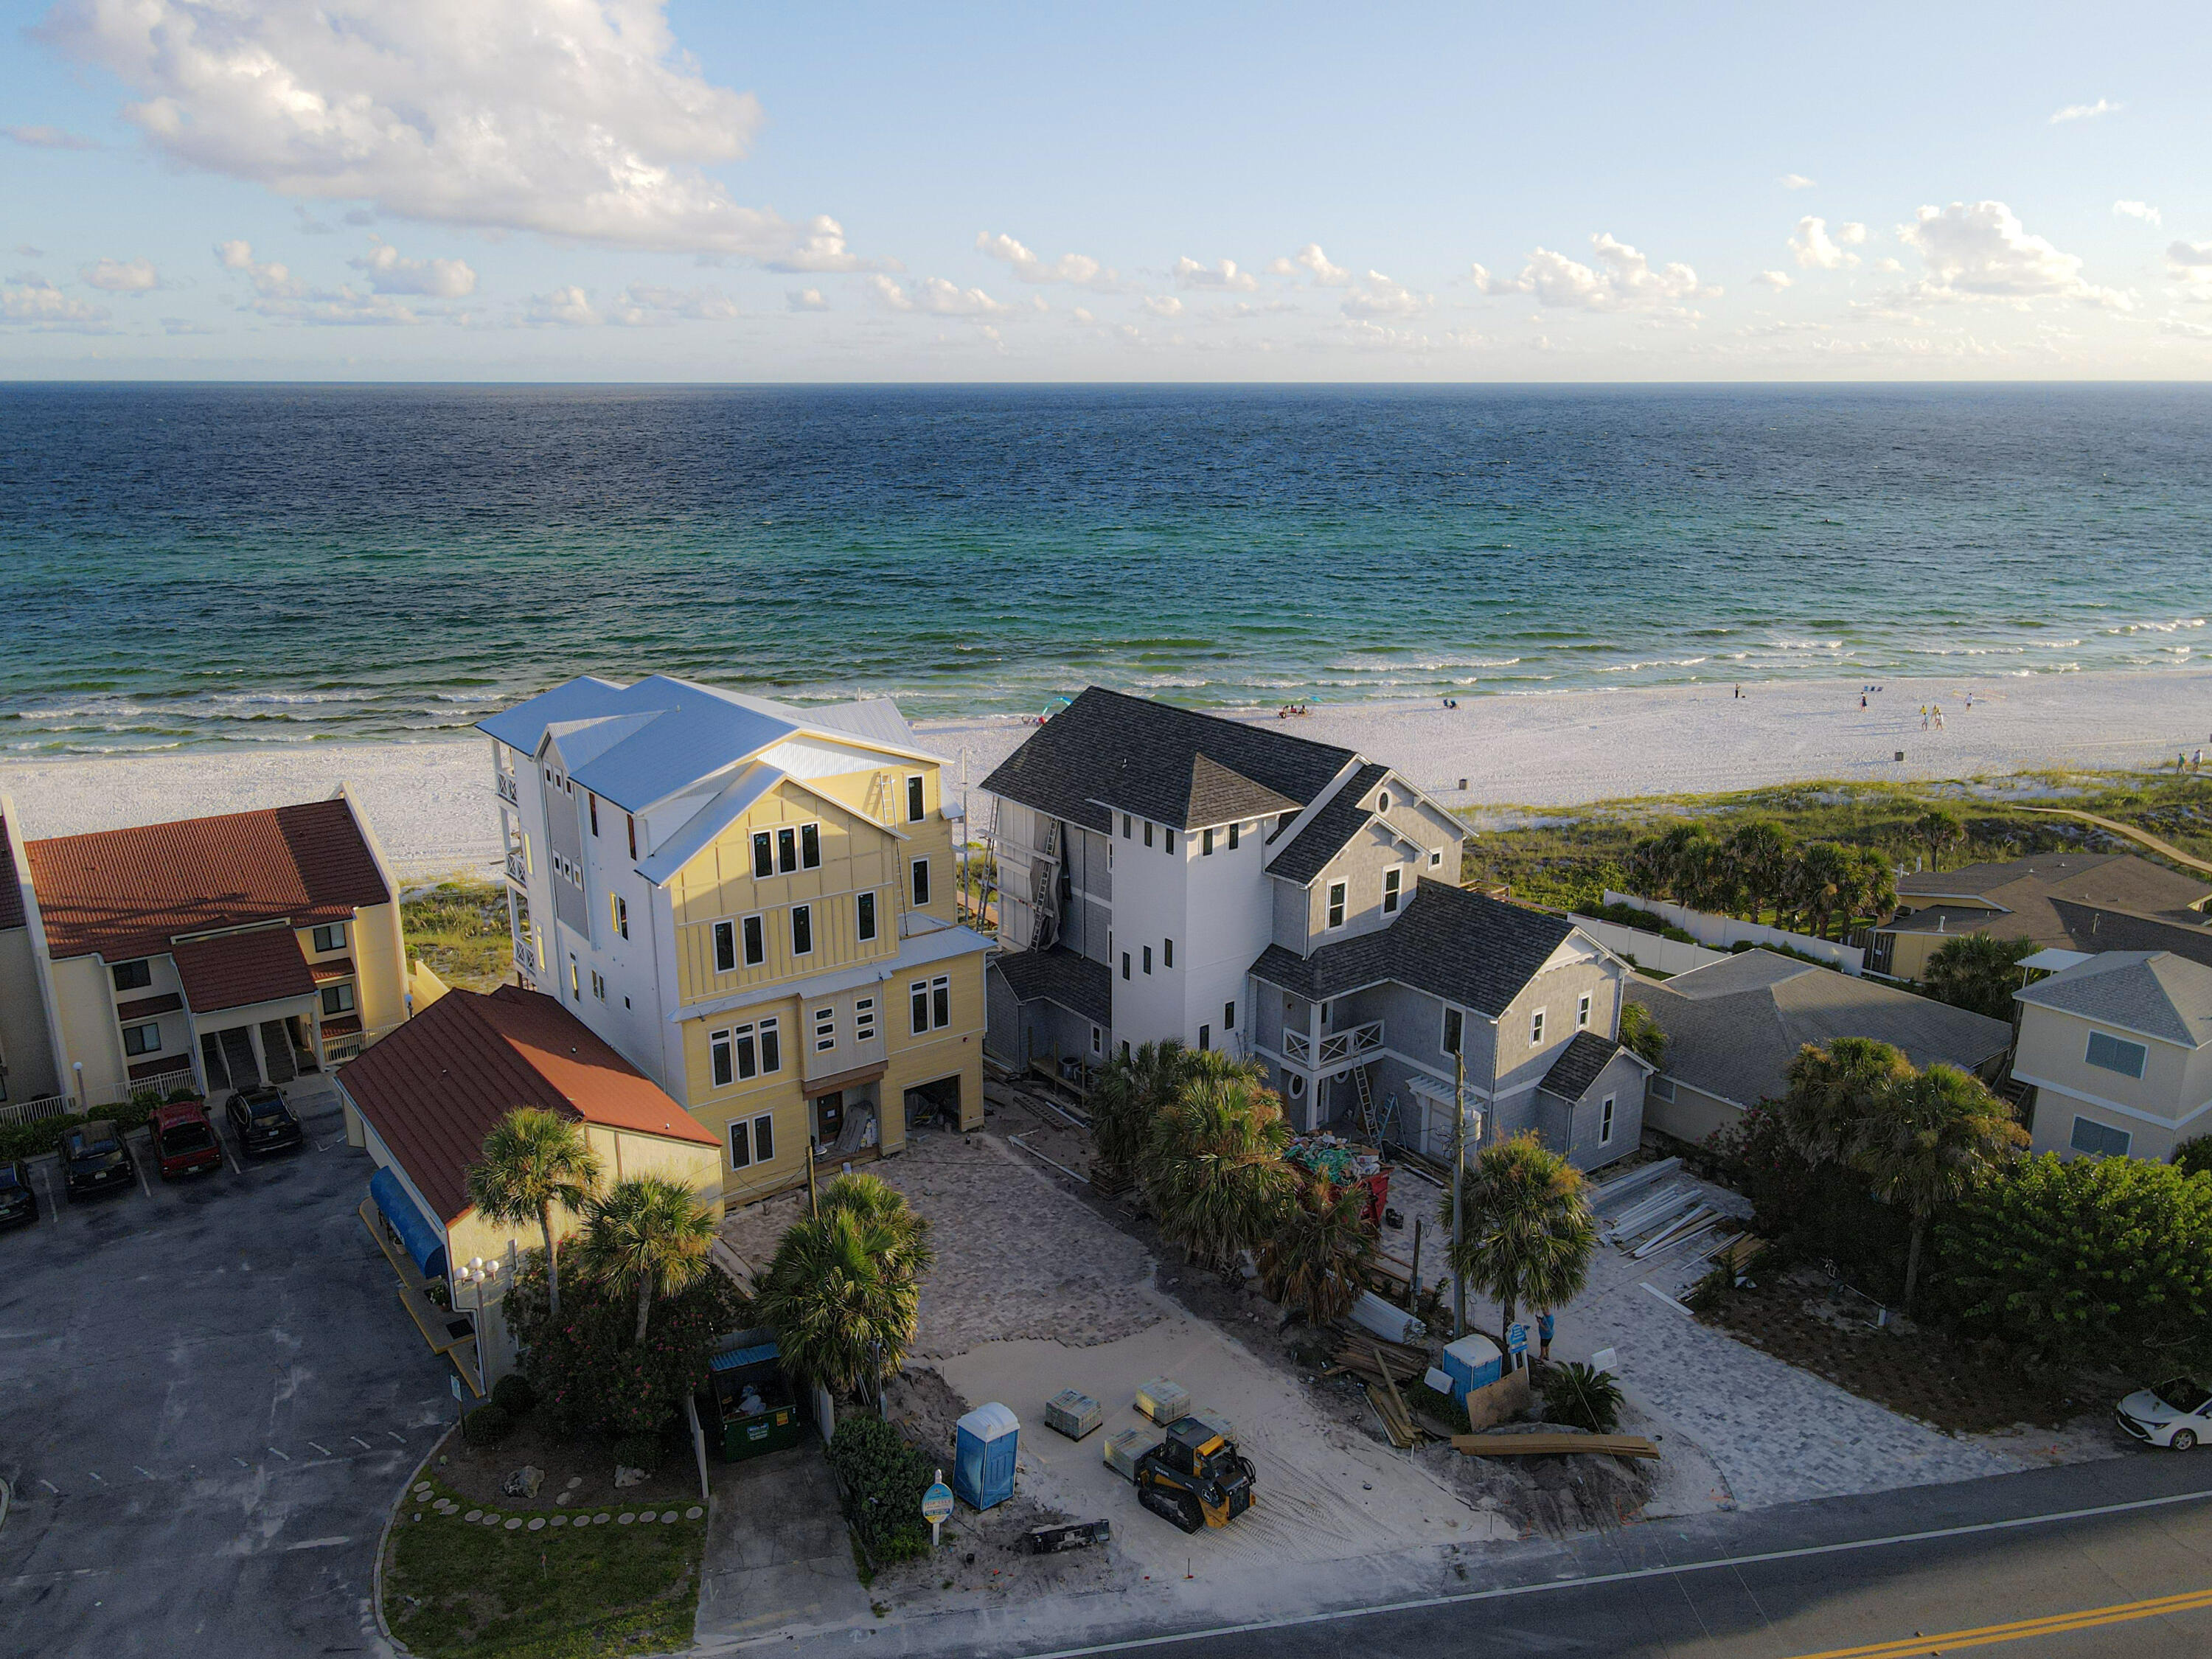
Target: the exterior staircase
(277, 1046)
(238, 1058)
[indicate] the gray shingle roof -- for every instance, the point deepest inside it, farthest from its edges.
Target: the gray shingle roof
(1074, 981)
(2119, 879)
(1467, 948)
(1733, 1027)
(1330, 831)
(2154, 991)
(1108, 752)
(1580, 1064)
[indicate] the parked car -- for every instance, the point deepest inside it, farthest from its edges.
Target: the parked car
(184, 1139)
(2177, 1415)
(263, 1121)
(96, 1160)
(18, 1205)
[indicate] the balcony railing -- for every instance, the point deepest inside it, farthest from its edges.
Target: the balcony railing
(526, 957)
(1337, 1048)
(504, 782)
(518, 869)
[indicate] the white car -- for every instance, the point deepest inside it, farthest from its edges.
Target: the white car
(2177, 1415)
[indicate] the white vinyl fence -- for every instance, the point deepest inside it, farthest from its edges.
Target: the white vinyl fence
(1666, 955)
(1722, 932)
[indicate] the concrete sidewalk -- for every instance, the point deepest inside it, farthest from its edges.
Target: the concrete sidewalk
(777, 1554)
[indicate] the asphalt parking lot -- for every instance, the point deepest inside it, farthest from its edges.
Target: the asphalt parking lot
(208, 1397)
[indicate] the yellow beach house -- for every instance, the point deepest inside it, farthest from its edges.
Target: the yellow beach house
(752, 903)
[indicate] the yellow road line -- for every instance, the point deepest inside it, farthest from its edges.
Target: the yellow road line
(2051, 1625)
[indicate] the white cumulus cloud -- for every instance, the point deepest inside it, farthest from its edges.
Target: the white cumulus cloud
(805, 298)
(389, 273)
(1816, 250)
(2143, 210)
(1079, 269)
(937, 297)
(1981, 250)
(2085, 111)
(278, 293)
(31, 301)
(121, 275)
(1224, 276)
(1622, 279)
(643, 305)
(564, 307)
(1163, 305)
(578, 118)
(1797, 181)
(41, 138)
(1773, 279)
(1311, 261)
(1380, 297)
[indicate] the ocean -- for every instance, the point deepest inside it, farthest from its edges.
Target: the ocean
(185, 565)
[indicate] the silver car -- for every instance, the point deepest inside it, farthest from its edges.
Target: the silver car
(2177, 1415)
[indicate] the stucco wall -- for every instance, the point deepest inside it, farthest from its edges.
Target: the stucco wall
(23, 1036)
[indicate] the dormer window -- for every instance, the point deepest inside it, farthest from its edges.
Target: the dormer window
(1382, 801)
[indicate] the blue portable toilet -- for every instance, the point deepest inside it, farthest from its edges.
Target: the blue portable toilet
(983, 1456)
(1472, 1363)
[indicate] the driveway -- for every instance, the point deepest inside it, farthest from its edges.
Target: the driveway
(209, 1396)
(777, 1551)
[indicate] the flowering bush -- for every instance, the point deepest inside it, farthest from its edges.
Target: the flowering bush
(884, 1481)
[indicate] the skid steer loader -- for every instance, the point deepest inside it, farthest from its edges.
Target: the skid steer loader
(1196, 1478)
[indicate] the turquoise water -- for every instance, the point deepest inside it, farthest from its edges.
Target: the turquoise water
(184, 565)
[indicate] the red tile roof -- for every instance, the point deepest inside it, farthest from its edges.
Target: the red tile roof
(340, 1025)
(434, 1088)
(146, 1007)
(11, 895)
(234, 969)
(126, 893)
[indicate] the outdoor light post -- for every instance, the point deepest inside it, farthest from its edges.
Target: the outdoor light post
(481, 1280)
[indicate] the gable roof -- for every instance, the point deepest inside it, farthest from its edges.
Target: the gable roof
(2153, 992)
(1580, 1064)
(127, 893)
(435, 1087)
(1330, 831)
(2027, 887)
(1062, 975)
(232, 970)
(1467, 948)
(639, 744)
(1733, 1027)
(1108, 752)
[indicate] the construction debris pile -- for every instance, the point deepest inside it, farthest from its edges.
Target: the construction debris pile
(1337, 1161)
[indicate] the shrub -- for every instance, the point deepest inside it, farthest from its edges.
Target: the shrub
(1808, 1212)
(1582, 1396)
(884, 1481)
(639, 1451)
(2194, 1157)
(488, 1424)
(513, 1394)
(184, 1093)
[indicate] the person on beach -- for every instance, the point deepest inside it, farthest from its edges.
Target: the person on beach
(1862, 699)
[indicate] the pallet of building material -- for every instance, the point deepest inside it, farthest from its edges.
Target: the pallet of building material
(1552, 1445)
(1125, 1449)
(1163, 1401)
(1399, 1428)
(1218, 1421)
(1389, 1276)
(1073, 1414)
(1050, 1541)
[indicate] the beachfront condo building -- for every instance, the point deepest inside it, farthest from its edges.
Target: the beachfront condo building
(1165, 874)
(211, 954)
(752, 903)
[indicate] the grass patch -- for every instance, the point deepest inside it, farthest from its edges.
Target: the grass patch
(459, 1590)
(458, 930)
(1569, 856)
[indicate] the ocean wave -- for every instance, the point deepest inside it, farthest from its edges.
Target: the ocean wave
(1807, 645)
(2173, 627)
(1654, 662)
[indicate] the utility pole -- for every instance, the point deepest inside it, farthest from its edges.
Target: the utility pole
(812, 1207)
(1459, 1188)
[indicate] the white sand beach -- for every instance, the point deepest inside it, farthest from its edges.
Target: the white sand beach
(434, 809)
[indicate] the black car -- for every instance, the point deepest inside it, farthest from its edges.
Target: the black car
(96, 1160)
(264, 1123)
(18, 1205)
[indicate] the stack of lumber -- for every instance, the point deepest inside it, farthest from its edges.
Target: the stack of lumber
(1552, 1445)
(1397, 1422)
(1375, 1360)
(1390, 1279)
(1740, 1252)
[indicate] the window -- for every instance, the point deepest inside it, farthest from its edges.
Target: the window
(810, 846)
(865, 905)
(752, 1141)
(825, 1030)
(763, 1139)
(1536, 1030)
(1206, 845)
(1171, 836)
(918, 1006)
(2110, 1054)
(1097, 1040)
(719, 1051)
(864, 1020)
(1125, 1050)
(786, 850)
(1125, 964)
(594, 801)
(755, 941)
(1436, 859)
(1394, 881)
(618, 908)
(575, 986)
(763, 854)
(631, 818)
(1167, 953)
(1205, 1038)
(1232, 837)
(914, 804)
(940, 1001)
(1382, 801)
(1336, 904)
(1148, 958)
(2100, 1140)
(802, 930)
(1582, 1011)
(1297, 1087)
(598, 985)
(1662, 1088)
(741, 1144)
(1148, 832)
(920, 875)
(329, 938)
(132, 975)
(1125, 826)
(1455, 1030)
(143, 1039)
(726, 947)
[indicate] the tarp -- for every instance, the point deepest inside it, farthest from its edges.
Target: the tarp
(425, 1240)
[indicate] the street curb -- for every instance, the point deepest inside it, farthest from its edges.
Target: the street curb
(384, 1543)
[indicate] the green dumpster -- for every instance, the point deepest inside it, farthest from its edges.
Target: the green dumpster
(752, 1407)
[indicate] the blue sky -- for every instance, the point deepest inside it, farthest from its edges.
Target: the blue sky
(617, 189)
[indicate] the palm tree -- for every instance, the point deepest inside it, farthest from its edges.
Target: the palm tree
(1640, 1032)
(1934, 1137)
(1213, 1169)
(1531, 1235)
(1832, 1093)
(1759, 853)
(1317, 1258)
(1937, 828)
(1977, 972)
(1821, 880)
(532, 1160)
(647, 1235)
(842, 1292)
(1874, 893)
(1128, 1096)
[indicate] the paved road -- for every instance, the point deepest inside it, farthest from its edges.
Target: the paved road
(209, 1396)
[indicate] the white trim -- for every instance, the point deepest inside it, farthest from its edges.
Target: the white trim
(2136, 1112)
(2096, 1019)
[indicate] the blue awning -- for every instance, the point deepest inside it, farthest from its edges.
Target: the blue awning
(739, 1357)
(424, 1239)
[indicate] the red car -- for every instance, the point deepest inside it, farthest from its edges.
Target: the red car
(184, 1139)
